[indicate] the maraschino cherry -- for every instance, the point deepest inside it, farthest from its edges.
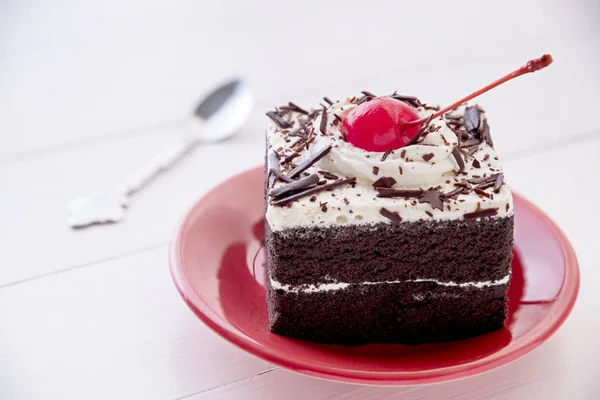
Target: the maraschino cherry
(384, 123)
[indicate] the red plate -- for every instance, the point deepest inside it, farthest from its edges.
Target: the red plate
(216, 263)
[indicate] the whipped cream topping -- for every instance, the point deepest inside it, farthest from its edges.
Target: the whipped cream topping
(334, 286)
(359, 203)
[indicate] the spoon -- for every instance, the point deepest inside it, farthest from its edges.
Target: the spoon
(217, 117)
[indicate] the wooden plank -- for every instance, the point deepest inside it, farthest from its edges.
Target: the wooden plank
(114, 330)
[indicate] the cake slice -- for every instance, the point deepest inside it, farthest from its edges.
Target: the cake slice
(412, 245)
(387, 220)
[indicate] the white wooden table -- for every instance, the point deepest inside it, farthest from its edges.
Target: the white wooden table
(88, 92)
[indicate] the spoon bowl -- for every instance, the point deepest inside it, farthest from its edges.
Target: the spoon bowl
(224, 111)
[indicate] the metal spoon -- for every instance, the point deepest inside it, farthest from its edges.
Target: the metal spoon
(217, 117)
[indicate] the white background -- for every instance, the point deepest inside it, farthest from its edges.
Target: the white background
(88, 92)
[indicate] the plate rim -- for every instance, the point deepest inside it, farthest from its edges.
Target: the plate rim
(570, 289)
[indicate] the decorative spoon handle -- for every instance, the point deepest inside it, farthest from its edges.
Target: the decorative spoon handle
(110, 205)
(160, 162)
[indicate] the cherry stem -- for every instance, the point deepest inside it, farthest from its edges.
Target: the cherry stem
(531, 66)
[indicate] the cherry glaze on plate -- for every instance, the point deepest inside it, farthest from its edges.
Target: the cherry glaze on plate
(218, 267)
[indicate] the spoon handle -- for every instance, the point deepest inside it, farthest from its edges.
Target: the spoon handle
(159, 163)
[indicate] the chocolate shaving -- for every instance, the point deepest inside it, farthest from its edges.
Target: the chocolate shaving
(471, 118)
(387, 192)
(477, 179)
(367, 93)
(297, 108)
(410, 100)
(498, 182)
(428, 156)
(282, 177)
(328, 100)
(384, 182)
(469, 143)
(486, 185)
(392, 216)
(323, 206)
(434, 198)
(313, 198)
(346, 200)
(329, 175)
(459, 159)
(282, 123)
(323, 127)
(295, 186)
(273, 162)
(482, 213)
(482, 192)
(484, 131)
(476, 164)
(290, 158)
(316, 189)
(364, 99)
(375, 170)
(455, 192)
(386, 154)
(308, 163)
(313, 114)
(418, 135)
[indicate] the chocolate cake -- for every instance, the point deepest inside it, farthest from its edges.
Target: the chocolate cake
(409, 244)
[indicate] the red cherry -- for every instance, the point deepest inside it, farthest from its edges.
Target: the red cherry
(375, 125)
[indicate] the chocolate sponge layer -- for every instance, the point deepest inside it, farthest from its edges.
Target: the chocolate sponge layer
(409, 313)
(456, 251)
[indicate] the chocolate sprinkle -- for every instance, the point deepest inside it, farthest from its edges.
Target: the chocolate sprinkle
(400, 169)
(429, 213)
(282, 123)
(329, 175)
(428, 156)
(384, 182)
(323, 127)
(313, 198)
(459, 159)
(328, 100)
(316, 189)
(482, 213)
(402, 153)
(418, 135)
(386, 154)
(375, 170)
(498, 183)
(295, 186)
(476, 163)
(392, 216)
(388, 192)
(346, 200)
(308, 163)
